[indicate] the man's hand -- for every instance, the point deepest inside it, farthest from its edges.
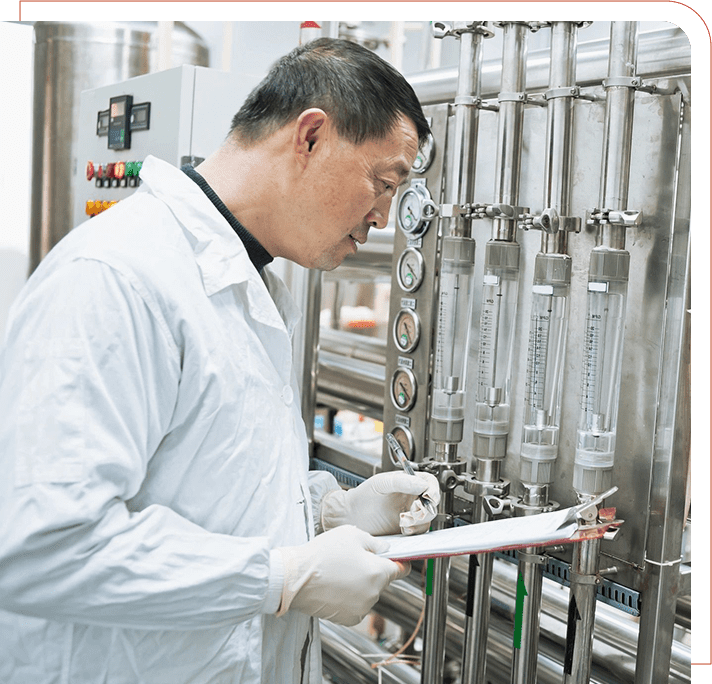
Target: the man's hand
(387, 503)
(337, 576)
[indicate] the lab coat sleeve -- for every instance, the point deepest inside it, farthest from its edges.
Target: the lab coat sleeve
(88, 382)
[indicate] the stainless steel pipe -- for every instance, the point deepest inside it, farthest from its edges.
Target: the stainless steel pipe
(559, 130)
(510, 125)
(618, 132)
(662, 53)
(349, 654)
(459, 190)
(615, 634)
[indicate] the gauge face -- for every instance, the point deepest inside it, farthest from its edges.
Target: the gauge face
(410, 269)
(403, 389)
(415, 209)
(425, 155)
(406, 331)
(410, 214)
(404, 437)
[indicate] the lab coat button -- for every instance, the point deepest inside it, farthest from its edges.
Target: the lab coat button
(287, 395)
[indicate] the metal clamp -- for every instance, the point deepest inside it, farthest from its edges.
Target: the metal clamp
(534, 558)
(550, 222)
(496, 505)
(442, 29)
(565, 91)
(448, 474)
(501, 211)
(474, 101)
(626, 217)
(512, 97)
(485, 489)
(502, 24)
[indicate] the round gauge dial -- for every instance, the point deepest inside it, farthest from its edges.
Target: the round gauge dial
(410, 269)
(425, 155)
(404, 437)
(415, 209)
(406, 331)
(403, 389)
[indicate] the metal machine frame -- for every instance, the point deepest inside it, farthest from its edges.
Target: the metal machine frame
(577, 161)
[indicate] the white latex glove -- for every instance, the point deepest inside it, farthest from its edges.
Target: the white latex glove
(386, 503)
(337, 576)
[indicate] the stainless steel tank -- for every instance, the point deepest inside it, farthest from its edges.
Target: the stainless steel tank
(71, 57)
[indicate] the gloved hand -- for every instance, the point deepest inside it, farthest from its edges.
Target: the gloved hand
(386, 503)
(337, 576)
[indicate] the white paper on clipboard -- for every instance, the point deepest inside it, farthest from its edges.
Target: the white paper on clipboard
(497, 535)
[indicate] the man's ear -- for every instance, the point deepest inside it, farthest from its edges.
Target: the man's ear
(309, 130)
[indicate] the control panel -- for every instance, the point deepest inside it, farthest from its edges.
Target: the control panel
(413, 297)
(180, 115)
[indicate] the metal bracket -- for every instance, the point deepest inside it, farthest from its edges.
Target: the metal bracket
(626, 218)
(550, 222)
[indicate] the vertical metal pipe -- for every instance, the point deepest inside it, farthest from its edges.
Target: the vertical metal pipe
(559, 130)
(615, 174)
(460, 173)
(433, 663)
(555, 278)
(477, 607)
(525, 658)
(511, 123)
(618, 134)
(487, 470)
(582, 610)
(311, 305)
(459, 189)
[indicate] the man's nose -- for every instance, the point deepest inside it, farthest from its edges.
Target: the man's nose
(378, 216)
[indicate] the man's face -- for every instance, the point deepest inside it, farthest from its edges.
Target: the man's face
(350, 190)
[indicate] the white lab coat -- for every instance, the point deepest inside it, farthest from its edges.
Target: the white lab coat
(152, 456)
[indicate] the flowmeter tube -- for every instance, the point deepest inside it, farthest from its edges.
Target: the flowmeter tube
(499, 307)
(451, 345)
(601, 372)
(545, 358)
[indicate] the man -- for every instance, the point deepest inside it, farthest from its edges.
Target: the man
(159, 521)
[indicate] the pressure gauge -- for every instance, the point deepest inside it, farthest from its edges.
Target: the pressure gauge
(410, 268)
(403, 389)
(404, 437)
(406, 331)
(416, 209)
(425, 155)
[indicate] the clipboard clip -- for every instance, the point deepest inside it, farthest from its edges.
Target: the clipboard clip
(586, 513)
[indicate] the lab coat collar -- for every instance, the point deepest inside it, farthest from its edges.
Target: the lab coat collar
(220, 254)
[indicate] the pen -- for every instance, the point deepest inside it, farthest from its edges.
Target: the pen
(398, 452)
